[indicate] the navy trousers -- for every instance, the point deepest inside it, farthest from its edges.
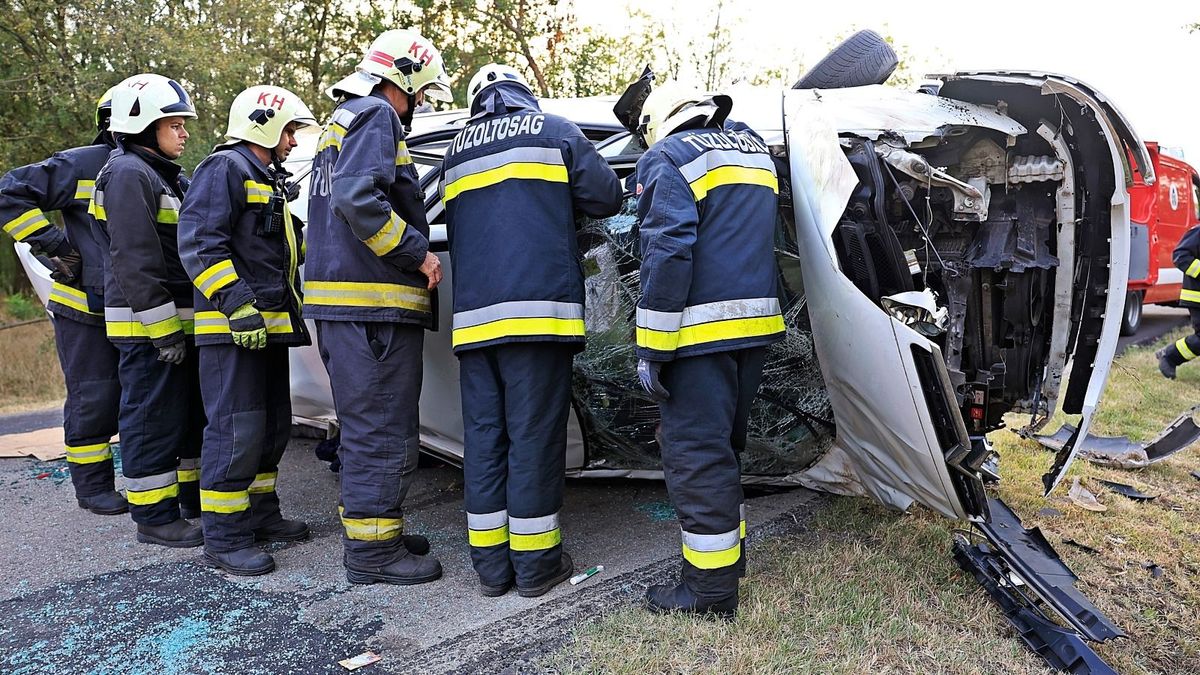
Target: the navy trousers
(516, 399)
(89, 364)
(704, 427)
(375, 373)
(247, 400)
(161, 424)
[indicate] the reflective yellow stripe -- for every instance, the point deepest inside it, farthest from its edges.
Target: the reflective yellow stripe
(216, 277)
(70, 297)
(26, 224)
(535, 542)
(711, 560)
(264, 483)
(1184, 350)
(388, 237)
(742, 529)
(96, 211)
(218, 501)
(215, 323)
(289, 236)
(167, 216)
(361, 294)
(88, 454)
(663, 341)
(84, 189)
(148, 497)
(732, 175)
(1189, 296)
(1193, 270)
(258, 193)
(716, 331)
(516, 170)
(486, 538)
(371, 529)
(188, 475)
(402, 155)
(332, 138)
(518, 327)
(154, 331)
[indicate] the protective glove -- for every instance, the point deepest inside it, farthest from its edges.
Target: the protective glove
(173, 354)
(648, 375)
(291, 191)
(67, 267)
(248, 328)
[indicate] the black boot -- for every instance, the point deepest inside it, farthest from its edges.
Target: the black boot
(1166, 366)
(188, 513)
(244, 562)
(416, 544)
(175, 534)
(565, 567)
(282, 530)
(667, 599)
(404, 570)
(494, 590)
(108, 503)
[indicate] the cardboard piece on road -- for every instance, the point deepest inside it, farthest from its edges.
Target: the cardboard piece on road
(44, 444)
(356, 662)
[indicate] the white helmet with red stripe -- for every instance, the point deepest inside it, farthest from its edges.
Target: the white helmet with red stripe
(403, 57)
(138, 101)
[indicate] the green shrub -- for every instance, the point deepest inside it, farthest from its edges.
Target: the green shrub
(23, 307)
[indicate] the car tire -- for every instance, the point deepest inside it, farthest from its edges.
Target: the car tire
(1131, 316)
(862, 59)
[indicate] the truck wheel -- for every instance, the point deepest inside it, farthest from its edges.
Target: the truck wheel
(861, 59)
(1131, 318)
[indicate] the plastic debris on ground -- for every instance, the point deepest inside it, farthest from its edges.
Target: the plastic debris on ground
(1083, 498)
(1080, 546)
(1154, 570)
(586, 574)
(1127, 491)
(363, 659)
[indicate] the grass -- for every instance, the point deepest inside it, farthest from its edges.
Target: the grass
(863, 589)
(30, 377)
(22, 307)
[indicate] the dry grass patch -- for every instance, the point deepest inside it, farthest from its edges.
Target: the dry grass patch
(863, 589)
(30, 377)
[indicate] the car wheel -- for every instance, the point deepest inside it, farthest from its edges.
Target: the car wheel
(862, 59)
(1131, 318)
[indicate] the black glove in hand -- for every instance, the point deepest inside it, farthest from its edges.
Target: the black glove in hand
(67, 268)
(173, 354)
(648, 372)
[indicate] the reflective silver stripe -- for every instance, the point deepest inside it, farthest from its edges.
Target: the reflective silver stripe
(101, 450)
(169, 202)
(343, 117)
(156, 314)
(487, 521)
(264, 482)
(730, 309)
(127, 314)
(189, 463)
(667, 322)
(533, 525)
(520, 309)
(707, 543)
(154, 482)
(717, 158)
(742, 511)
(260, 190)
(530, 155)
(98, 197)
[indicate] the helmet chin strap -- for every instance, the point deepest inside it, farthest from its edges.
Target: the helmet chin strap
(407, 118)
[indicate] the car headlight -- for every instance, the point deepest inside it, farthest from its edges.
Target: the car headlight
(917, 310)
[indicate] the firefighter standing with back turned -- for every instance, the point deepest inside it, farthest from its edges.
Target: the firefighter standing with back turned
(148, 308)
(369, 281)
(64, 183)
(242, 248)
(1187, 258)
(707, 194)
(513, 182)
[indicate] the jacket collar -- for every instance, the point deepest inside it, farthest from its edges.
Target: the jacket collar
(162, 166)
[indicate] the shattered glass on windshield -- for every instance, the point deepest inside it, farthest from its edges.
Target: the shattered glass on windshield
(791, 423)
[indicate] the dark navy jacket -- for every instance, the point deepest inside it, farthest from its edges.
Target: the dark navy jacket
(707, 206)
(62, 183)
(513, 182)
(147, 293)
(1187, 258)
(367, 234)
(232, 252)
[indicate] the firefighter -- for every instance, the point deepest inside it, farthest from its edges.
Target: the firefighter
(64, 183)
(369, 281)
(707, 193)
(241, 247)
(1187, 258)
(513, 182)
(148, 308)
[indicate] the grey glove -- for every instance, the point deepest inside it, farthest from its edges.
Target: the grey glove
(173, 354)
(648, 372)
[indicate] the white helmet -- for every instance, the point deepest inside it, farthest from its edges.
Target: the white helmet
(259, 114)
(491, 74)
(671, 106)
(403, 57)
(139, 101)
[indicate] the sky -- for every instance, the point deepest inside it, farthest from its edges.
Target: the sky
(1139, 55)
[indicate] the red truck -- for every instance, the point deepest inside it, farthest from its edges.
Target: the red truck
(1159, 214)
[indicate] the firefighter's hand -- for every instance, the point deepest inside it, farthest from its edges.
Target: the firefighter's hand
(173, 354)
(248, 327)
(432, 269)
(291, 191)
(648, 372)
(67, 268)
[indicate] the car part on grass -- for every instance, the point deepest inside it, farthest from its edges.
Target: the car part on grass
(1127, 491)
(1081, 546)
(861, 59)
(1083, 498)
(1153, 568)
(1120, 452)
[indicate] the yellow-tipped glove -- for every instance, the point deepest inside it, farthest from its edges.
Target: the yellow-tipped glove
(248, 328)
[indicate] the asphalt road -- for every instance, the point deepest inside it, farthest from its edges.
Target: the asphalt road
(1156, 322)
(78, 594)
